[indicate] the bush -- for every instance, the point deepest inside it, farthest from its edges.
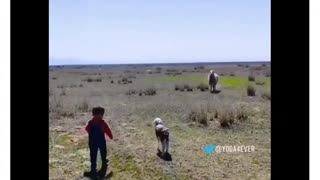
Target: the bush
(63, 92)
(89, 79)
(226, 119)
(190, 88)
(260, 82)
(92, 80)
(69, 114)
(251, 90)
(124, 80)
(176, 87)
(131, 92)
(202, 87)
(83, 107)
(150, 91)
(266, 95)
(80, 85)
(111, 81)
(198, 116)
(242, 114)
(247, 66)
(232, 74)
(202, 118)
(54, 78)
(129, 81)
(251, 78)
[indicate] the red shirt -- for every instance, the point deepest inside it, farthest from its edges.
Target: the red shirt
(105, 127)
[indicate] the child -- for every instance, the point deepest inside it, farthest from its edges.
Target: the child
(96, 129)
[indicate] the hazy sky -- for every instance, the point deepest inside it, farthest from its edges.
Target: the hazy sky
(139, 31)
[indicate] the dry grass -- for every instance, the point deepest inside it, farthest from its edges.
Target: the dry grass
(132, 153)
(226, 118)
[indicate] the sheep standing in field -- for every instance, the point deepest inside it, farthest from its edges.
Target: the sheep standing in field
(162, 134)
(213, 80)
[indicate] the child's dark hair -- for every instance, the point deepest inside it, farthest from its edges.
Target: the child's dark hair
(98, 111)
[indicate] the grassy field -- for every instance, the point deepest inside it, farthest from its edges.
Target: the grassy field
(134, 96)
(225, 81)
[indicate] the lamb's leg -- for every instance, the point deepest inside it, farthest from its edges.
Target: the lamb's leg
(167, 145)
(158, 146)
(163, 146)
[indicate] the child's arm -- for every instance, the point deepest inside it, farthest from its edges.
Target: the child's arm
(87, 127)
(107, 130)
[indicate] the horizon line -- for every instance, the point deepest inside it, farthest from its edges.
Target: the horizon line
(202, 62)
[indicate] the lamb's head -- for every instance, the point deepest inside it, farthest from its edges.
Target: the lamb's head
(157, 121)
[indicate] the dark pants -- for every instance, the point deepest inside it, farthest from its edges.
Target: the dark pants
(93, 157)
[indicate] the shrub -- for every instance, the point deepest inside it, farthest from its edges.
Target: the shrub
(54, 78)
(192, 116)
(63, 92)
(73, 86)
(176, 87)
(111, 81)
(266, 95)
(260, 82)
(92, 80)
(190, 88)
(247, 66)
(198, 116)
(89, 79)
(251, 90)
(131, 92)
(124, 80)
(202, 87)
(202, 118)
(69, 114)
(129, 81)
(251, 78)
(232, 74)
(80, 85)
(242, 114)
(226, 118)
(150, 91)
(83, 107)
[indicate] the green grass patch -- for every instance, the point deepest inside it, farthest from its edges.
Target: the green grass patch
(195, 79)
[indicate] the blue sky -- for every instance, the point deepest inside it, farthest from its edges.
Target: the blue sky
(158, 31)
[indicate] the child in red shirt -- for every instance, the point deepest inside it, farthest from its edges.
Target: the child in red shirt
(96, 129)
